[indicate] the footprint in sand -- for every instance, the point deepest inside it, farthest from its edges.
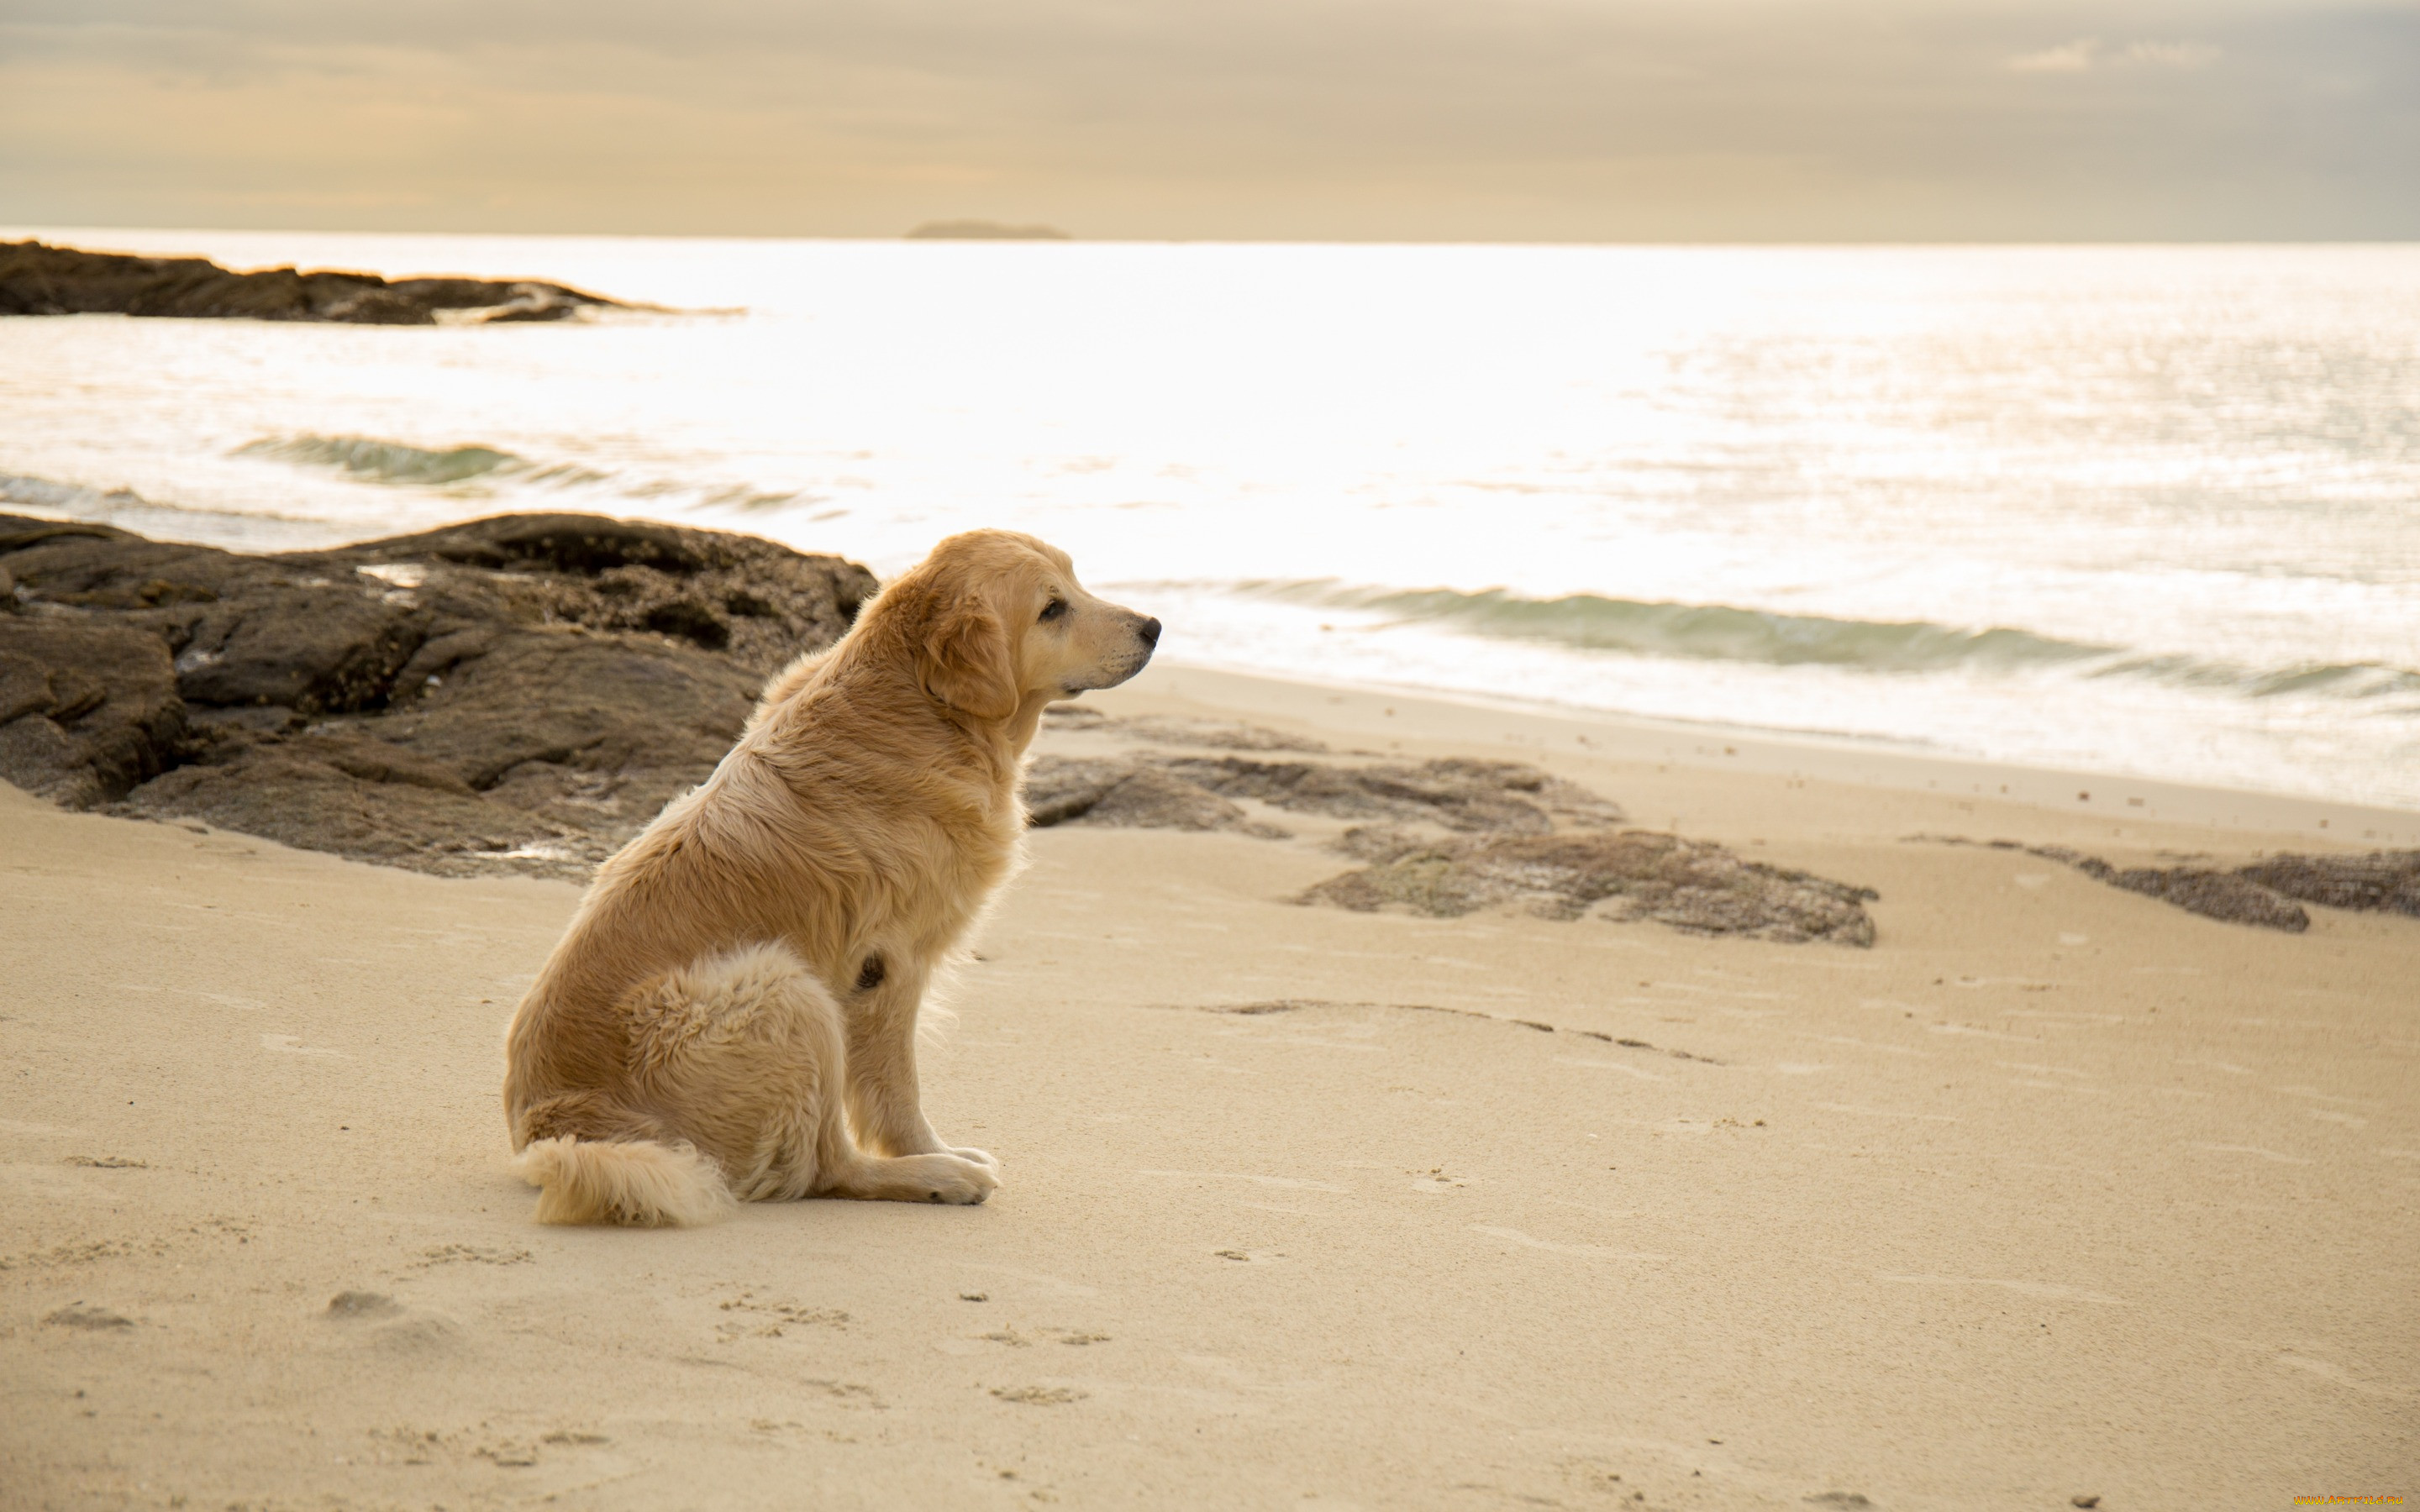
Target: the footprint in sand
(387, 1326)
(351, 1306)
(471, 1254)
(1039, 1395)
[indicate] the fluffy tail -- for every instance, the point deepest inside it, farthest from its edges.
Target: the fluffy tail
(638, 1182)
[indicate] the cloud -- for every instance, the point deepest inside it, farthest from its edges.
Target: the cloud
(2067, 58)
(2085, 54)
(2186, 57)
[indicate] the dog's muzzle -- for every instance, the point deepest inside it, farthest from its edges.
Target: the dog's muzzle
(1119, 669)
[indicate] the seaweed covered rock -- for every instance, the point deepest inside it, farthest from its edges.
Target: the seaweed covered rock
(2224, 896)
(1513, 834)
(1455, 794)
(1692, 886)
(521, 693)
(2382, 881)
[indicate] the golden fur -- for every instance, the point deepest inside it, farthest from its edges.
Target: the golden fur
(732, 1014)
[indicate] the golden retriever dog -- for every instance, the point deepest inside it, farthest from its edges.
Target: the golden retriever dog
(731, 1014)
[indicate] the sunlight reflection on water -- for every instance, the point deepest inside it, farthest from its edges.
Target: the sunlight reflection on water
(2202, 463)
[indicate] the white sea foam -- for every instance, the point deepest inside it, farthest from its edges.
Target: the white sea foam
(2154, 510)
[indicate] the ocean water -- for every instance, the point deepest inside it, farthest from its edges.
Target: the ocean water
(2150, 510)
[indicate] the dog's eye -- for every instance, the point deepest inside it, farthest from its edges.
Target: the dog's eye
(1054, 608)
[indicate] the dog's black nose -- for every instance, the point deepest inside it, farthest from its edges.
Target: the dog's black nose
(1149, 630)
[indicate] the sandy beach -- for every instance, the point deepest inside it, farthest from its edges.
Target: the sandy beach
(2055, 1192)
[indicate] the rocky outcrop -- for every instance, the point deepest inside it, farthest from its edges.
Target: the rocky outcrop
(518, 694)
(1453, 835)
(1692, 886)
(522, 694)
(2267, 894)
(38, 279)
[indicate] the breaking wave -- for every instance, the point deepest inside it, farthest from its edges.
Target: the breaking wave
(1719, 632)
(372, 460)
(377, 461)
(108, 505)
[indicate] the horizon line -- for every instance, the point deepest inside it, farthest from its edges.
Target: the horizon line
(38, 230)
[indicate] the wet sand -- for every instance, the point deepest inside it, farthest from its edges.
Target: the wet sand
(2055, 1192)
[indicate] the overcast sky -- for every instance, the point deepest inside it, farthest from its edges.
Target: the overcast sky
(1246, 119)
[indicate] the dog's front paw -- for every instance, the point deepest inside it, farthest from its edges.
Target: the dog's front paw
(984, 1158)
(960, 1180)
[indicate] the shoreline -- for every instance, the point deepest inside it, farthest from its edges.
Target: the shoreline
(1423, 715)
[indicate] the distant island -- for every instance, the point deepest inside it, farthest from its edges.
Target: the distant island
(985, 231)
(38, 278)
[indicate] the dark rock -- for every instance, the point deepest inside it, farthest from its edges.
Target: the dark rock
(87, 710)
(1692, 886)
(517, 694)
(36, 279)
(586, 544)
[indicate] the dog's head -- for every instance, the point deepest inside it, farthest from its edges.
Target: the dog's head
(1004, 618)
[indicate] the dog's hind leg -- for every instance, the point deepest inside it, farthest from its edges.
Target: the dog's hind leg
(744, 1053)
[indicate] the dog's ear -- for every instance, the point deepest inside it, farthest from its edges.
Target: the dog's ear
(968, 664)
